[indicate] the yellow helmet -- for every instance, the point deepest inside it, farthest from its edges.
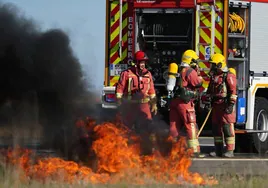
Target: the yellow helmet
(189, 57)
(219, 62)
(232, 70)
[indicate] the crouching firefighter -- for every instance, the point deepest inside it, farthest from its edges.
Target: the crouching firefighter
(222, 96)
(136, 97)
(182, 109)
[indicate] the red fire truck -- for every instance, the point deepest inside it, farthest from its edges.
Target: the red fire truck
(166, 28)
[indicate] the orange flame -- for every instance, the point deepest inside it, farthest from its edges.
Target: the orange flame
(118, 160)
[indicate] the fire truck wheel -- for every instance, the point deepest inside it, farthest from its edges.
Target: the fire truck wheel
(244, 144)
(260, 140)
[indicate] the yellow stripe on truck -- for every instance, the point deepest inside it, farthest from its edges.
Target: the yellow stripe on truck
(258, 86)
(205, 19)
(115, 35)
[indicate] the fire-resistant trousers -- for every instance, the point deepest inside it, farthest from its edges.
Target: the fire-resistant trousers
(134, 113)
(182, 114)
(139, 117)
(223, 127)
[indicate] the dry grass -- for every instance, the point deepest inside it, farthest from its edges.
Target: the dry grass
(11, 178)
(239, 181)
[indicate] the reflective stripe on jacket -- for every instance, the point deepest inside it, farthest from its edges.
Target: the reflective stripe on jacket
(134, 87)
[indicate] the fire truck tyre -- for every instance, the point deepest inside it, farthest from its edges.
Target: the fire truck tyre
(244, 143)
(260, 140)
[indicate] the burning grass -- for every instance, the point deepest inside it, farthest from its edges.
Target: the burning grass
(11, 178)
(118, 159)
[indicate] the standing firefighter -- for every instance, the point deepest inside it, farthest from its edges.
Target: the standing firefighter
(222, 95)
(182, 110)
(136, 95)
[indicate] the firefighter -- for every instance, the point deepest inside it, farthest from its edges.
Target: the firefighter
(222, 96)
(182, 109)
(136, 95)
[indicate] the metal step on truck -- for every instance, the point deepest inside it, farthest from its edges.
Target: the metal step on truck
(164, 29)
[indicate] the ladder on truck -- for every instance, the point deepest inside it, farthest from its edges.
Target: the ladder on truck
(208, 9)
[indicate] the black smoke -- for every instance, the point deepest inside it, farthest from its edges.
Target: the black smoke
(39, 67)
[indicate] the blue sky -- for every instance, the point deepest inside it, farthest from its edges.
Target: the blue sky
(83, 20)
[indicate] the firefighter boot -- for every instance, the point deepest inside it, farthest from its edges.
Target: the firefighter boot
(218, 152)
(194, 145)
(229, 154)
(198, 155)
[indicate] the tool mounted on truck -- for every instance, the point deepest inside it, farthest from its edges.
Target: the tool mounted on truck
(166, 28)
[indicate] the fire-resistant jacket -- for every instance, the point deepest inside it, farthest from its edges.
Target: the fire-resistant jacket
(190, 79)
(223, 87)
(187, 84)
(135, 87)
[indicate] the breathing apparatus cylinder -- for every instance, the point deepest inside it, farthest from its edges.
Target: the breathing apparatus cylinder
(172, 74)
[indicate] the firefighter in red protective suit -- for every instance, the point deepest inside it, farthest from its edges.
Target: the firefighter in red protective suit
(135, 94)
(222, 96)
(182, 109)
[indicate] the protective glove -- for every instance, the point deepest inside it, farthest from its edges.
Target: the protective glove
(154, 108)
(207, 107)
(119, 101)
(206, 99)
(230, 108)
(153, 103)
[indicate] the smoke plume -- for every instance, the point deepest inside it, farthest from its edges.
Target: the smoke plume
(38, 68)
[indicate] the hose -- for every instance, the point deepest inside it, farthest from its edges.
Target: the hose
(236, 23)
